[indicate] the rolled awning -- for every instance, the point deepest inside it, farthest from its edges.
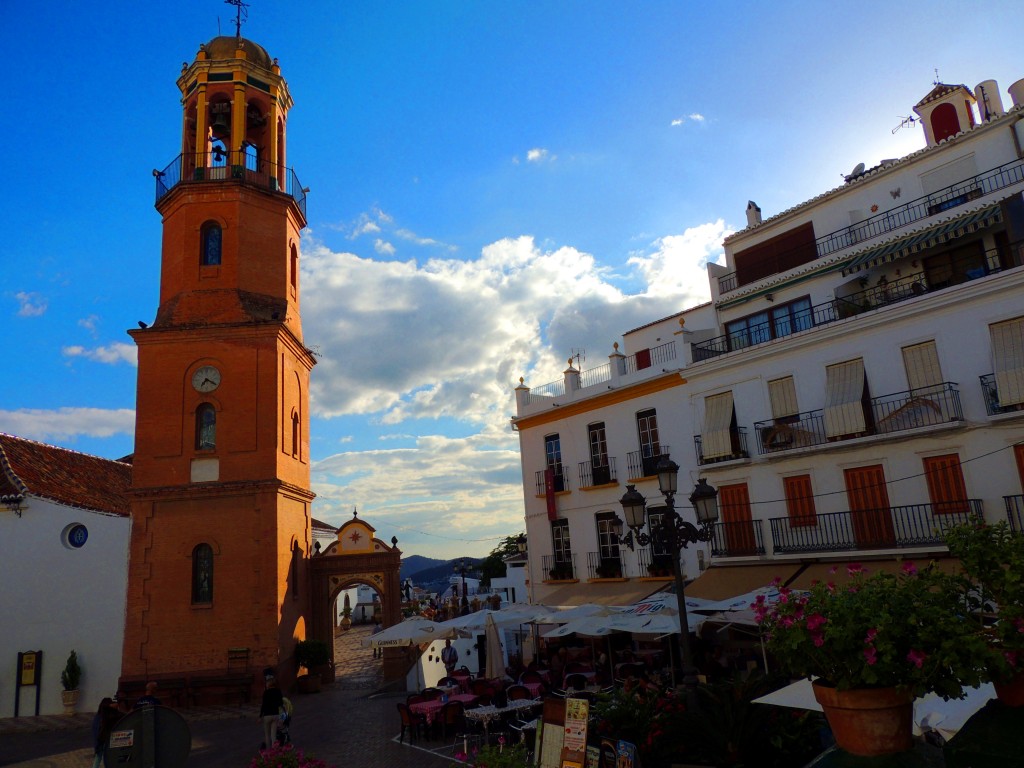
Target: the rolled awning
(721, 582)
(716, 436)
(922, 240)
(607, 593)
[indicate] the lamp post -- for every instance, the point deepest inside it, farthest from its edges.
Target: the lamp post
(676, 534)
(461, 570)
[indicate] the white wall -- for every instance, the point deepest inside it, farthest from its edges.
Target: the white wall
(56, 599)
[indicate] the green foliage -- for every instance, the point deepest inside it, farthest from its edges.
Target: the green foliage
(493, 566)
(907, 630)
(71, 676)
(993, 558)
(496, 756)
(730, 730)
(312, 653)
(649, 718)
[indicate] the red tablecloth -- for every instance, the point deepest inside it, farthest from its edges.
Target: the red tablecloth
(534, 688)
(430, 709)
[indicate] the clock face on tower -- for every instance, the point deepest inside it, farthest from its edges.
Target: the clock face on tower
(206, 379)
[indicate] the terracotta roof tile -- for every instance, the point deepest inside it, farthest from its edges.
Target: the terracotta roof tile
(64, 476)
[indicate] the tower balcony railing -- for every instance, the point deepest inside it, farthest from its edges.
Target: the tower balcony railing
(652, 563)
(737, 539)
(928, 406)
(598, 472)
(737, 448)
(901, 216)
(558, 567)
(1015, 512)
(601, 566)
(201, 167)
(914, 525)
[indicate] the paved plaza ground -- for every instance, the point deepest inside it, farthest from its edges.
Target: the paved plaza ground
(353, 723)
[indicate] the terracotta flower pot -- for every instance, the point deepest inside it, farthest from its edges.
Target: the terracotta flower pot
(868, 721)
(1011, 693)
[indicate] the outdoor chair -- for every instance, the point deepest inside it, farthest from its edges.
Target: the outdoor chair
(411, 722)
(516, 692)
(575, 666)
(447, 681)
(453, 720)
(531, 676)
(482, 689)
(414, 698)
(576, 681)
(430, 694)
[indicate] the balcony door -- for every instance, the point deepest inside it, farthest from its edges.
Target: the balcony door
(650, 446)
(553, 460)
(869, 507)
(600, 472)
(734, 502)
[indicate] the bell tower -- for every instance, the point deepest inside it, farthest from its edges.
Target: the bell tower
(220, 481)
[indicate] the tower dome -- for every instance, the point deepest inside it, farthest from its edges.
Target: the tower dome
(224, 47)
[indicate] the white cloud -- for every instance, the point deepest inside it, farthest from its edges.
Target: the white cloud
(65, 424)
(677, 264)
(540, 155)
(383, 247)
(110, 355)
(31, 304)
(693, 117)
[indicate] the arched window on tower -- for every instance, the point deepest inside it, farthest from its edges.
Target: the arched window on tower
(295, 570)
(252, 157)
(202, 574)
(206, 427)
(211, 236)
(293, 268)
(296, 435)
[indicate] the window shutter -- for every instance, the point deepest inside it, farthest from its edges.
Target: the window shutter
(800, 501)
(782, 394)
(844, 414)
(921, 362)
(1008, 357)
(716, 437)
(946, 487)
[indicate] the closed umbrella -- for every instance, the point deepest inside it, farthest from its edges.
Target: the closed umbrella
(495, 656)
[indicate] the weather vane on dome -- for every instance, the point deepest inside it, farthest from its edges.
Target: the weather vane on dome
(241, 15)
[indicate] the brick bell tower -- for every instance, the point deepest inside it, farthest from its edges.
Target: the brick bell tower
(220, 482)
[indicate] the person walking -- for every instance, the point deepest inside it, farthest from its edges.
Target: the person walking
(107, 714)
(270, 711)
(378, 652)
(449, 657)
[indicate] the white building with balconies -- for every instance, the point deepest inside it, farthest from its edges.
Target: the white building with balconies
(854, 387)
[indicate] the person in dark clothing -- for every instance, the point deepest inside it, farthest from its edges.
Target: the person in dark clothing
(107, 714)
(270, 710)
(150, 698)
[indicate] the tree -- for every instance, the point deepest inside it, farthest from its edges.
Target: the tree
(493, 566)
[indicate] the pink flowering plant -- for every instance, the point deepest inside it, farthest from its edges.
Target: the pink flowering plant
(879, 630)
(992, 557)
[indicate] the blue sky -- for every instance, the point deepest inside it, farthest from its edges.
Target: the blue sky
(493, 184)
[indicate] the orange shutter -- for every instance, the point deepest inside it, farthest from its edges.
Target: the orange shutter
(800, 501)
(946, 487)
(734, 503)
(869, 506)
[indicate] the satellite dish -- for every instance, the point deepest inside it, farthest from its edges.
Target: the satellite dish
(857, 171)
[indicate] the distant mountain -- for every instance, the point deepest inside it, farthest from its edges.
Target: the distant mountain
(430, 574)
(415, 563)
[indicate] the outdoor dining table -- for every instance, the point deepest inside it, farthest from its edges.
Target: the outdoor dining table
(463, 681)
(430, 709)
(486, 714)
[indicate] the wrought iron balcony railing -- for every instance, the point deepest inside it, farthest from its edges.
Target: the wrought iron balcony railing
(602, 474)
(738, 448)
(903, 215)
(191, 167)
(561, 482)
(914, 408)
(1015, 512)
(737, 539)
(558, 568)
(644, 463)
(915, 525)
(883, 293)
(649, 358)
(599, 567)
(991, 394)
(650, 563)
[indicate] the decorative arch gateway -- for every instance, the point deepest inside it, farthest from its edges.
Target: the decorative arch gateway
(357, 557)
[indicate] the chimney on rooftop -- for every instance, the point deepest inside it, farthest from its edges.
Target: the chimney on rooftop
(753, 214)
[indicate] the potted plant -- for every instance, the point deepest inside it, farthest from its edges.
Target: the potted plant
(70, 678)
(992, 557)
(658, 570)
(874, 644)
(315, 657)
(560, 573)
(608, 571)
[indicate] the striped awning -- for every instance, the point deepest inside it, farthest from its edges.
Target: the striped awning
(923, 240)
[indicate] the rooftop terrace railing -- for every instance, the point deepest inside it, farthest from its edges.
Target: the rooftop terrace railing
(901, 216)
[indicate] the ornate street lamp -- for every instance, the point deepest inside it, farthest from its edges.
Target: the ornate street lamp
(521, 543)
(461, 570)
(675, 534)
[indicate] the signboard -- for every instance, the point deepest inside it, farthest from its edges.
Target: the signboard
(552, 720)
(626, 757)
(574, 739)
(28, 665)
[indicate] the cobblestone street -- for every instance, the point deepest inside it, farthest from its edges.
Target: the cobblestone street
(352, 723)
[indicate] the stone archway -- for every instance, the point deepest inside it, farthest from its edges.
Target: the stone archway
(357, 557)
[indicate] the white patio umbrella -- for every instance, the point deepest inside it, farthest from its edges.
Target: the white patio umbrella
(593, 626)
(585, 611)
(495, 656)
(414, 630)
